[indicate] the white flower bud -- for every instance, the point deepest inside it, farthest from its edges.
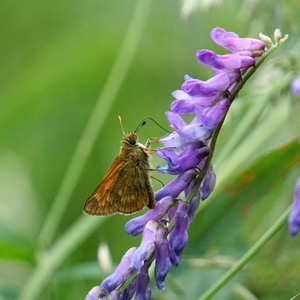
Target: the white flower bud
(277, 35)
(265, 39)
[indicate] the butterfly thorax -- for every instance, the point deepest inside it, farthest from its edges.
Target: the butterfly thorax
(131, 148)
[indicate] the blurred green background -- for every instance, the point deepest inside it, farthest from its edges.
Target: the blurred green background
(56, 57)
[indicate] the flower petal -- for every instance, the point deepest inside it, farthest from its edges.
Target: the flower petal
(135, 226)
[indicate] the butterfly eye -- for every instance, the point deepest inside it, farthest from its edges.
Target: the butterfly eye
(132, 141)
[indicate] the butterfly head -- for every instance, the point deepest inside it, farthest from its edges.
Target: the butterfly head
(130, 139)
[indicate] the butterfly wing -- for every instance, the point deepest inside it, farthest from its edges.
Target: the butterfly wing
(132, 190)
(126, 187)
(99, 202)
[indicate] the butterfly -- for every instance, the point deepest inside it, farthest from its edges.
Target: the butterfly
(126, 187)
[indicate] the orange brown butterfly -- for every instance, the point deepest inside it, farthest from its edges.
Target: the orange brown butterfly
(126, 187)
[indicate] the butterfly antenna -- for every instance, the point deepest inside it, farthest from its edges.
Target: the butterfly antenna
(120, 120)
(143, 122)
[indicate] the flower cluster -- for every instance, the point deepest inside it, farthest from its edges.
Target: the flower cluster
(187, 152)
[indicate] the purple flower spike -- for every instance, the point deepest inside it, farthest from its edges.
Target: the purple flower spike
(94, 293)
(179, 236)
(162, 265)
(231, 61)
(176, 186)
(135, 226)
(143, 291)
(121, 273)
(294, 217)
(186, 150)
(232, 42)
(147, 245)
(295, 85)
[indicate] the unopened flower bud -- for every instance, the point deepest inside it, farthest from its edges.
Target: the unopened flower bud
(265, 39)
(277, 35)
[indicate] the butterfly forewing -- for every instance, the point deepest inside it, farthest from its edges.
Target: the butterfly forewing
(99, 203)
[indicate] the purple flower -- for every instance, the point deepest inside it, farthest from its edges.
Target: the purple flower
(195, 201)
(162, 254)
(94, 293)
(179, 236)
(120, 275)
(188, 106)
(176, 186)
(295, 85)
(173, 139)
(208, 183)
(143, 292)
(129, 292)
(232, 42)
(189, 132)
(147, 245)
(213, 115)
(135, 226)
(179, 162)
(232, 61)
(115, 295)
(294, 217)
(219, 83)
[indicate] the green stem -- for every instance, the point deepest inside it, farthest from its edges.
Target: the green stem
(97, 118)
(247, 256)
